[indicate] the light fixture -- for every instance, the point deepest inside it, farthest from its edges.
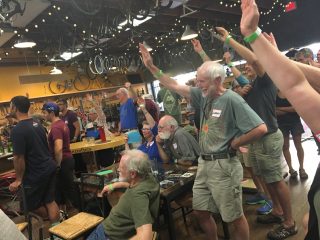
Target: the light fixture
(188, 34)
(146, 45)
(55, 71)
(24, 43)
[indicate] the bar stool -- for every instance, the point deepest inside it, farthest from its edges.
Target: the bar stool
(76, 226)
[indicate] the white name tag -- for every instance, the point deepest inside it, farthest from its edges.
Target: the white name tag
(216, 113)
(175, 146)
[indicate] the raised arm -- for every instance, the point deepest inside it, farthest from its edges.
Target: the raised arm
(164, 79)
(147, 115)
(19, 167)
(244, 52)
(198, 49)
(284, 73)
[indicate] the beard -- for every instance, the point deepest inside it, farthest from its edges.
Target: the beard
(123, 179)
(164, 135)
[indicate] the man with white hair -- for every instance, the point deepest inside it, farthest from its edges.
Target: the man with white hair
(128, 111)
(179, 143)
(138, 206)
(227, 123)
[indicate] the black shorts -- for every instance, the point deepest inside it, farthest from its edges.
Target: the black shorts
(40, 193)
(295, 128)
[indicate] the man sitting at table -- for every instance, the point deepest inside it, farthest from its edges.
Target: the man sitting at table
(179, 143)
(131, 216)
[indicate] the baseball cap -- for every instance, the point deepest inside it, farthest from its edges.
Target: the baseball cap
(50, 107)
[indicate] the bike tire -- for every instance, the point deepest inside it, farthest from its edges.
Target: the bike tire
(57, 86)
(91, 68)
(89, 73)
(81, 83)
(98, 64)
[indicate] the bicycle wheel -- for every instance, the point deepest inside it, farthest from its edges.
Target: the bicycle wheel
(81, 83)
(57, 86)
(98, 64)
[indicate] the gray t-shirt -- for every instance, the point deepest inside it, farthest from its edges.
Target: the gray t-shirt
(183, 146)
(222, 119)
(262, 99)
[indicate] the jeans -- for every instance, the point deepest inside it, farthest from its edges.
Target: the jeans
(98, 234)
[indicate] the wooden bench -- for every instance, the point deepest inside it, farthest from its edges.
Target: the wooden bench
(75, 226)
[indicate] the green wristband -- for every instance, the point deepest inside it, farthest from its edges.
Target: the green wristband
(202, 53)
(158, 74)
(110, 186)
(227, 41)
(230, 64)
(253, 36)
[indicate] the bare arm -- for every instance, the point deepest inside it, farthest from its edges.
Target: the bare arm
(58, 151)
(76, 124)
(311, 73)
(110, 187)
(144, 232)
(244, 52)
(165, 158)
(148, 116)
(283, 72)
(19, 167)
(198, 49)
(249, 137)
(286, 109)
(164, 79)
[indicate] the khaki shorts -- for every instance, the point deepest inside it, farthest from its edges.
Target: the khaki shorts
(265, 157)
(217, 188)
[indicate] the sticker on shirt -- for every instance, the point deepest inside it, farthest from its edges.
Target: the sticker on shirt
(216, 113)
(66, 122)
(175, 146)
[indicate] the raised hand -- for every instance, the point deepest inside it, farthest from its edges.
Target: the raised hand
(223, 33)
(227, 57)
(146, 57)
(250, 17)
(196, 45)
(271, 39)
(127, 84)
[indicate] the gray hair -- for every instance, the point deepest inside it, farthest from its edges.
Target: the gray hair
(213, 70)
(139, 162)
(124, 91)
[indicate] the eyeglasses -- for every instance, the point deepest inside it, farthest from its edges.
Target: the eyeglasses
(145, 129)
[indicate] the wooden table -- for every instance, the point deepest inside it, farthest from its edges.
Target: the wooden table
(84, 147)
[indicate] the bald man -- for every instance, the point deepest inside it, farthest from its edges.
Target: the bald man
(177, 142)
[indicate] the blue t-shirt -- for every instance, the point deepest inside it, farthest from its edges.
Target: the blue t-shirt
(128, 115)
(152, 149)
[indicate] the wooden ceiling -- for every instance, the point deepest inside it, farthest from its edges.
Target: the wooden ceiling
(92, 27)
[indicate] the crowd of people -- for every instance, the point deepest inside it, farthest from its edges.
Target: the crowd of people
(252, 121)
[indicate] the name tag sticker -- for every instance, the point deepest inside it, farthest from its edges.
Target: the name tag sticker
(216, 113)
(175, 146)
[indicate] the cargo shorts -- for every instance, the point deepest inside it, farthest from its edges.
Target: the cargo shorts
(217, 188)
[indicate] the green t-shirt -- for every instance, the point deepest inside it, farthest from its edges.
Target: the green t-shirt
(222, 119)
(170, 103)
(137, 206)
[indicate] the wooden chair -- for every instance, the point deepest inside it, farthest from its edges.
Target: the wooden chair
(75, 226)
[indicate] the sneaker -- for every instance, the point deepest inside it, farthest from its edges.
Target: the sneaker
(303, 174)
(266, 208)
(270, 218)
(255, 199)
(282, 233)
(293, 173)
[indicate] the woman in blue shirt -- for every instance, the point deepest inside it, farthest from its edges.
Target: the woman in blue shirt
(151, 146)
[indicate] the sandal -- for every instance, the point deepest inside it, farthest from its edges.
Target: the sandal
(293, 173)
(303, 174)
(282, 233)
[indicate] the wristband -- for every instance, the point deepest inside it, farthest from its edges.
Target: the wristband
(253, 36)
(158, 74)
(202, 53)
(110, 186)
(227, 41)
(230, 64)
